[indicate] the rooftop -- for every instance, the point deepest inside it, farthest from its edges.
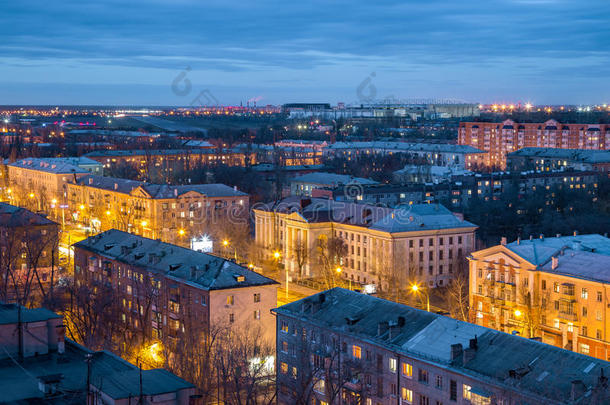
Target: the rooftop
(580, 155)
(12, 216)
(9, 314)
(543, 370)
(539, 251)
(406, 218)
(55, 165)
(199, 269)
(581, 264)
(331, 178)
(407, 147)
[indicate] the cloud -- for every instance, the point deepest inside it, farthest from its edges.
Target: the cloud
(147, 40)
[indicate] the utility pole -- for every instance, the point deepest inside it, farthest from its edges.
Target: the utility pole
(88, 358)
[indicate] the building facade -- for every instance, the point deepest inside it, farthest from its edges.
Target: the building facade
(424, 243)
(556, 289)
(305, 184)
(174, 214)
(343, 347)
(550, 159)
(167, 291)
(498, 139)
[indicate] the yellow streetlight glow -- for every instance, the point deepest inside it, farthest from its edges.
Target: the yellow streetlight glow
(414, 287)
(276, 255)
(54, 201)
(517, 313)
(251, 266)
(31, 195)
(225, 242)
(339, 269)
(181, 232)
(82, 207)
(108, 213)
(144, 223)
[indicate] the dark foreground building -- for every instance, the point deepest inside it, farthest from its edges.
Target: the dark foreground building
(343, 347)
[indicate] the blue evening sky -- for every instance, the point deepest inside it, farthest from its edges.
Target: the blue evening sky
(131, 51)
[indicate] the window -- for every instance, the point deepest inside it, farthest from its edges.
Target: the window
(231, 318)
(544, 284)
(230, 299)
(584, 331)
(392, 365)
(423, 400)
(453, 390)
(584, 312)
(284, 326)
(598, 315)
(584, 294)
(284, 368)
(257, 297)
(599, 296)
(393, 389)
(556, 287)
(438, 382)
(284, 347)
(406, 395)
(257, 314)
(294, 372)
(466, 391)
(407, 370)
(422, 376)
(584, 348)
(320, 386)
(356, 352)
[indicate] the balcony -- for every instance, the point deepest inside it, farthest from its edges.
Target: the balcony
(572, 317)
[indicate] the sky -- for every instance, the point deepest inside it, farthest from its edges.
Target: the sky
(203, 52)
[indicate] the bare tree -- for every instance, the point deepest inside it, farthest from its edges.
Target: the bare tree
(456, 296)
(300, 255)
(331, 253)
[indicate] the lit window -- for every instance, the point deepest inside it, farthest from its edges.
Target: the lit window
(407, 395)
(392, 365)
(407, 370)
(356, 352)
(466, 391)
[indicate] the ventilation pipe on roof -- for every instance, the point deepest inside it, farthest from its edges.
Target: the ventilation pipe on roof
(575, 233)
(90, 180)
(554, 262)
(518, 240)
(175, 192)
(456, 351)
(578, 390)
(542, 237)
(503, 241)
(116, 186)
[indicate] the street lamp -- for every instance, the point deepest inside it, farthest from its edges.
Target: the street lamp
(518, 313)
(416, 289)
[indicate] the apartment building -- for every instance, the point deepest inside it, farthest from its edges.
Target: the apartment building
(175, 214)
(169, 159)
(459, 156)
(460, 190)
(167, 290)
(498, 139)
(556, 289)
(549, 159)
(424, 242)
(38, 184)
(343, 347)
(28, 252)
(39, 365)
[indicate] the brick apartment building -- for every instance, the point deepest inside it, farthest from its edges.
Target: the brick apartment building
(556, 289)
(549, 159)
(343, 347)
(500, 138)
(167, 290)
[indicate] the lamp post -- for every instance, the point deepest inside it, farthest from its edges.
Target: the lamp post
(226, 244)
(339, 270)
(276, 256)
(416, 289)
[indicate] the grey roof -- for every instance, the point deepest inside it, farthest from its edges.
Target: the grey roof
(56, 166)
(20, 383)
(331, 179)
(420, 217)
(579, 155)
(109, 183)
(545, 371)
(581, 264)
(9, 314)
(210, 190)
(157, 190)
(126, 384)
(147, 152)
(407, 147)
(406, 218)
(540, 251)
(195, 268)
(12, 216)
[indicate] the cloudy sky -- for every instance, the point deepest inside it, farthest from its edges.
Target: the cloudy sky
(167, 52)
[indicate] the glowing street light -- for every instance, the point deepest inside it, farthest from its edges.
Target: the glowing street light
(82, 207)
(32, 195)
(518, 313)
(225, 243)
(181, 232)
(276, 254)
(108, 213)
(416, 289)
(144, 223)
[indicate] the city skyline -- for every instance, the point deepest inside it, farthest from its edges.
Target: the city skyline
(539, 51)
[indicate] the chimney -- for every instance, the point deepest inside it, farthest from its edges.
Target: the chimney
(542, 237)
(575, 233)
(235, 188)
(116, 186)
(531, 238)
(558, 235)
(456, 351)
(90, 180)
(578, 390)
(469, 354)
(554, 263)
(518, 240)
(175, 192)
(503, 241)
